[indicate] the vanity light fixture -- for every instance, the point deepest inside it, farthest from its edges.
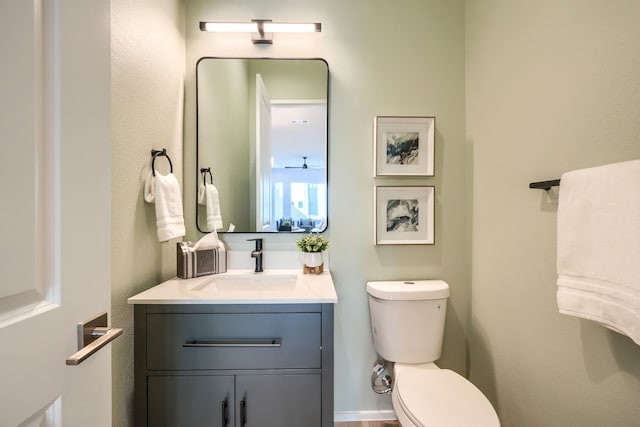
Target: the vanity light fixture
(262, 29)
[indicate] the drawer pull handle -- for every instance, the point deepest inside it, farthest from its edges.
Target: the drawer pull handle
(256, 343)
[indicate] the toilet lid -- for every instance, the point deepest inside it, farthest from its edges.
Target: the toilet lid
(442, 398)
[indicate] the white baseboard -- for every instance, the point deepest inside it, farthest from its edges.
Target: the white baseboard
(343, 416)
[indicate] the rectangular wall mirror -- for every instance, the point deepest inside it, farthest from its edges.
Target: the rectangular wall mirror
(262, 140)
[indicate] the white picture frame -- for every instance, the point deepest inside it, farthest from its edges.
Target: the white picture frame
(404, 146)
(404, 215)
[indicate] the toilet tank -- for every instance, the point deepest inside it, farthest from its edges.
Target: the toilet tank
(407, 319)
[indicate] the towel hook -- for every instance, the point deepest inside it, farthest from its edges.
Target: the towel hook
(159, 153)
(204, 172)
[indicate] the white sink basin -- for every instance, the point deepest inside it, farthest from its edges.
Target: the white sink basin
(286, 286)
(249, 282)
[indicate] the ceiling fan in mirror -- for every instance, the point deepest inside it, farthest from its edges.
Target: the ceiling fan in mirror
(304, 165)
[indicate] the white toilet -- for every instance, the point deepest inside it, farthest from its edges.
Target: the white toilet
(407, 320)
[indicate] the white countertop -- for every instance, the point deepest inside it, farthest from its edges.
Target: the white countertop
(244, 287)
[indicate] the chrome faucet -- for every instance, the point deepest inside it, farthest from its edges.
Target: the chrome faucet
(257, 254)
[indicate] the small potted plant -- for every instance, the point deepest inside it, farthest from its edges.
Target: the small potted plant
(312, 246)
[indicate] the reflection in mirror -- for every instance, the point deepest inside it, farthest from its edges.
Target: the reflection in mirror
(262, 131)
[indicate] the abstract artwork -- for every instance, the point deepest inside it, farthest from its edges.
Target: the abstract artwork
(404, 146)
(404, 215)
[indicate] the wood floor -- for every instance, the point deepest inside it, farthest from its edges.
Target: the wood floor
(367, 424)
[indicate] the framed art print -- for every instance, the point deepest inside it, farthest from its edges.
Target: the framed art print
(404, 146)
(404, 215)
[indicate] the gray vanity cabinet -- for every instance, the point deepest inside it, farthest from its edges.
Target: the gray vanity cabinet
(245, 365)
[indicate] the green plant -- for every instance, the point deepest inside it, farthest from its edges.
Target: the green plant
(312, 242)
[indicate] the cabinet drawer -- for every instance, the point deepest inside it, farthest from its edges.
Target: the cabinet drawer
(233, 341)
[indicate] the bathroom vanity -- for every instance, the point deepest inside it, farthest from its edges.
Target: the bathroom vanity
(236, 349)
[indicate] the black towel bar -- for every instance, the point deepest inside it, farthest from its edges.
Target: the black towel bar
(545, 185)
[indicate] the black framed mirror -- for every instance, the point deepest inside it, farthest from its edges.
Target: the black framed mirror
(262, 140)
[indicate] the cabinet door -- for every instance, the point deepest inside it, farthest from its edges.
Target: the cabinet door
(194, 401)
(278, 400)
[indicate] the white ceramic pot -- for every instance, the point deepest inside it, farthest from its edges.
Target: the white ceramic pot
(312, 259)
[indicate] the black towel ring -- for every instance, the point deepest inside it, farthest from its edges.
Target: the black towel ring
(159, 153)
(204, 172)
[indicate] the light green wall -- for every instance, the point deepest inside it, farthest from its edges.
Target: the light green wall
(552, 86)
(384, 59)
(415, 68)
(147, 71)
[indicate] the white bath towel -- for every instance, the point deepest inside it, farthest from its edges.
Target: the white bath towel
(599, 246)
(208, 196)
(164, 192)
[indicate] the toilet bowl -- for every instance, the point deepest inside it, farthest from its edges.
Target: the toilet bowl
(425, 396)
(407, 319)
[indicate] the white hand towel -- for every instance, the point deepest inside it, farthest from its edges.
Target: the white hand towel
(208, 196)
(164, 191)
(599, 246)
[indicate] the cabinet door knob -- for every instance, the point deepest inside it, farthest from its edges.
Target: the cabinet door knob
(225, 420)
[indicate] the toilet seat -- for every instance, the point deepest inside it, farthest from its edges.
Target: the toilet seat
(441, 398)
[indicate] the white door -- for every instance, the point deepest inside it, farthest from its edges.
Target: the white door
(55, 216)
(263, 156)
